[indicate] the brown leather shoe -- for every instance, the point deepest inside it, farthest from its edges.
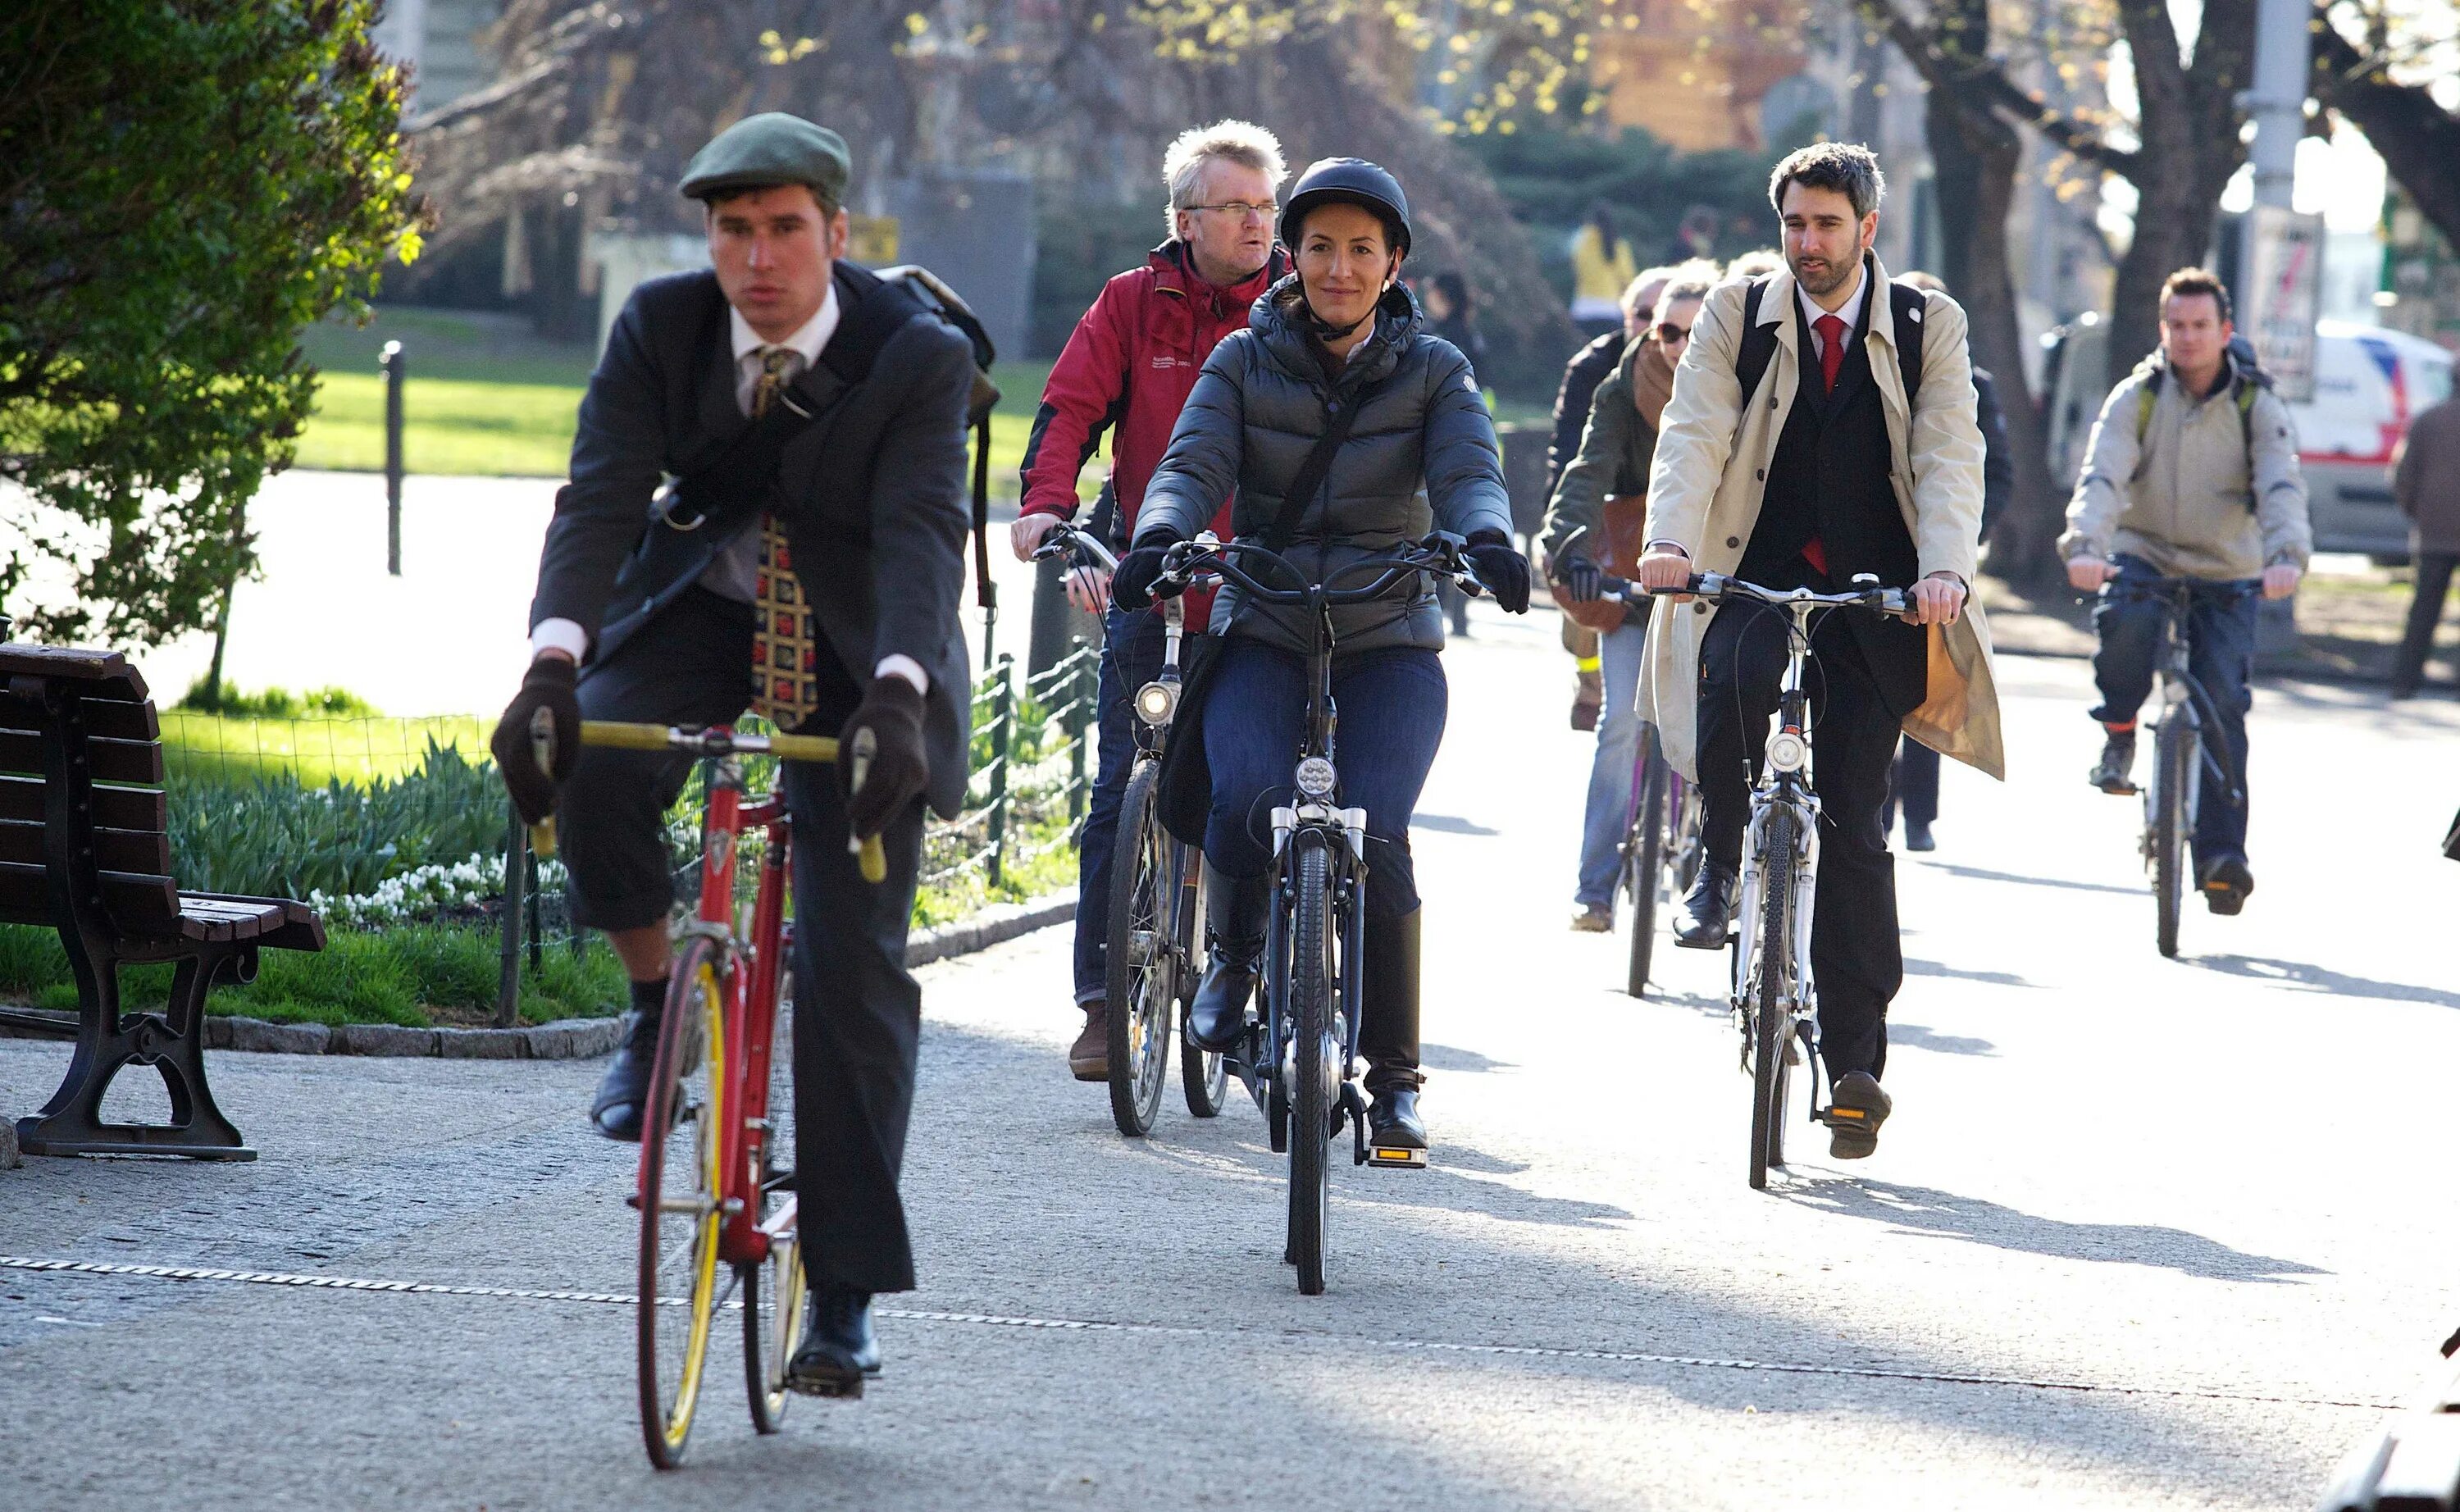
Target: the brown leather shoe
(1090, 1057)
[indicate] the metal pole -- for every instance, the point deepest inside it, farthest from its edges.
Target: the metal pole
(2278, 106)
(1003, 744)
(393, 371)
(508, 986)
(536, 925)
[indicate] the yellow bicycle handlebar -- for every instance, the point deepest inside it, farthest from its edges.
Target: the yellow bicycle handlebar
(620, 736)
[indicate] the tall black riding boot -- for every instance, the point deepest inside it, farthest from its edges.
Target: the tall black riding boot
(1234, 916)
(1388, 1039)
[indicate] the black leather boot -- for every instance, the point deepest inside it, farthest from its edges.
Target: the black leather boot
(840, 1350)
(1702, 920)
(624, 1092)
(1387, 1040)
(1235, 912)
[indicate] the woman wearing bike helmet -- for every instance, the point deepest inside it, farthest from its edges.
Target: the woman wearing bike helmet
(1338, 332)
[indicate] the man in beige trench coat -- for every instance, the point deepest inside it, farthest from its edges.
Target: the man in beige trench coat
(1822, 473)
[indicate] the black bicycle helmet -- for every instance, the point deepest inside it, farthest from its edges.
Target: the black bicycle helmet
(1352, 180)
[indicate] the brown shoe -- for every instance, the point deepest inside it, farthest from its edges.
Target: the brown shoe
(1090, 1057)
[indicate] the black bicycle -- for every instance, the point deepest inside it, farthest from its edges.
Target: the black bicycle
(1297, 1057)
(1775, 1001)
(1155, 947)
(2181, 752)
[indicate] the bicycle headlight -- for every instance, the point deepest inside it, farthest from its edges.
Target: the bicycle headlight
(1156, 702)
(1316, 777)
(1786, 751)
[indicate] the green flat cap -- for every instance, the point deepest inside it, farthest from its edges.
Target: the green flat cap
(761, 152)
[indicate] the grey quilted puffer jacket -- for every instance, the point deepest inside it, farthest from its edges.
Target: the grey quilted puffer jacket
(1257, 409)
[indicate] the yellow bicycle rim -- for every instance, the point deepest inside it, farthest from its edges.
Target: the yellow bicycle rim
(710, 1137)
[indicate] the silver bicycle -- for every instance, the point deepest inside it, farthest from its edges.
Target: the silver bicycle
(1776, 1002)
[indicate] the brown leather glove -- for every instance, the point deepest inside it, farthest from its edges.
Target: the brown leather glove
(896, 770)
(547, 709)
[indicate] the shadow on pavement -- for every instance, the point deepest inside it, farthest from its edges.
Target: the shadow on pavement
(2319, 979)
(1449, 825)
(1448, 1057)
(1918, 1037)
(1917, 1209)
(1914, 968)
(1984, 874)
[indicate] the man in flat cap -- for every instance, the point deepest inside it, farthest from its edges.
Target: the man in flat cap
(804, 561)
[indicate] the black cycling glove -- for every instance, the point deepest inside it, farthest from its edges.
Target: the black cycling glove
(1582, 580)
(1133, 587)
(1501, 568)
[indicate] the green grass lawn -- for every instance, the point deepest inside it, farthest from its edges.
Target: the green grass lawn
(204, 746)
(483, 399)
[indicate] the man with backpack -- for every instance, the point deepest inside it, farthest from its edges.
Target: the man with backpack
(805, 563)
(2192, 472)
(1821, 427)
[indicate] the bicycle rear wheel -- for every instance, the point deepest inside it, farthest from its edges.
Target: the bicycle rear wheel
(681, 1184)
(1647, 847)
(2173, 756)
(1313, 1059)
(774, 1289)
(1143, 987)
(1771, 986)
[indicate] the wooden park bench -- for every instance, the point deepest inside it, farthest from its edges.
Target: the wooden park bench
(84, 849)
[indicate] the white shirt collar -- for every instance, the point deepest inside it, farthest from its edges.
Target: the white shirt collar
(1850, 312)
(807, 342)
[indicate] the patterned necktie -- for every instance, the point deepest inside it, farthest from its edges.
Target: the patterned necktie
(1831, 349)
(783, 654)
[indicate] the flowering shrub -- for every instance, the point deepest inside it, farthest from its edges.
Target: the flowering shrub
(426, 891)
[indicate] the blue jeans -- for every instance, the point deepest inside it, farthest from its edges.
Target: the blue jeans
(2221, 653)
(1391, 706)
(1620, 653)
(1132, 649)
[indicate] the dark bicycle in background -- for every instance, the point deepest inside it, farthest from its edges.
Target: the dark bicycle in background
(2182, 750)
(1155, 944)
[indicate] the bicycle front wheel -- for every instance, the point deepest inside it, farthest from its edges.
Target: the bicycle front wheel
(774, 1289)
(1649, 829)
(1203, 1075)
(1143, 987)
(2173, 759)
(681, 1183)
(1773, 985)
(1314, 1058)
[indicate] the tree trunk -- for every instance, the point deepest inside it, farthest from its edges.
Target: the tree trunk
(2419, 139)
(1976, 156)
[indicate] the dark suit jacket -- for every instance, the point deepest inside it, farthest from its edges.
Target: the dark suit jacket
(872, 496)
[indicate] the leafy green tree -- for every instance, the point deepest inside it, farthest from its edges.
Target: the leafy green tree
(183, 186)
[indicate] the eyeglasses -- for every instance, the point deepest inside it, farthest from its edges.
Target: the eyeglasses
(1240, 210)
(1668, 332)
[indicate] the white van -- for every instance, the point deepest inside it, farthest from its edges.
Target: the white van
(2368, 383)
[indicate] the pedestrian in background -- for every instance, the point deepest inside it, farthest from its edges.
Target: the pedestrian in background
(2425, 482)
(1916, 783)
(1452, 314)
(1592, 525)
(1603, 265)
(1131, 362)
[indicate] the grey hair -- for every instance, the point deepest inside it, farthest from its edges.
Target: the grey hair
(1243, 142)
(1848, 167)
(1629, 299)
(1683, 286)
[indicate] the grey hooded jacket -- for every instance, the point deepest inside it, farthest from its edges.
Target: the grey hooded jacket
(1256, 412)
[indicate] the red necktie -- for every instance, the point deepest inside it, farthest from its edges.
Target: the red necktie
(1832, 358)
(1831, 349)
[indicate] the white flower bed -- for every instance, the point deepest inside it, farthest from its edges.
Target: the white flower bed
(427, 890)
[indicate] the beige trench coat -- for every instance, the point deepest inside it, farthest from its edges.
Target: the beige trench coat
(1711, 467)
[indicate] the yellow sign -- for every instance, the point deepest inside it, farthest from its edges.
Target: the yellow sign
(874, 240)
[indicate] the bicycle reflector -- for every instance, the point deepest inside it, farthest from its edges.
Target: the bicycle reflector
(1316, 777)
(1156, 702)
(1787, 752)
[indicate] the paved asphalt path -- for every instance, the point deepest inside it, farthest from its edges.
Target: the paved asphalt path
(2141, 1234)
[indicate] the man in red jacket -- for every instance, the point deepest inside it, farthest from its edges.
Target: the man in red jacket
(1131, 364)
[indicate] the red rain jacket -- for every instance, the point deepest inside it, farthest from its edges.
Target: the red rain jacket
(1131, 363)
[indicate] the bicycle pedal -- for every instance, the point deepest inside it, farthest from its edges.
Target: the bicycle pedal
(1396, 1157)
